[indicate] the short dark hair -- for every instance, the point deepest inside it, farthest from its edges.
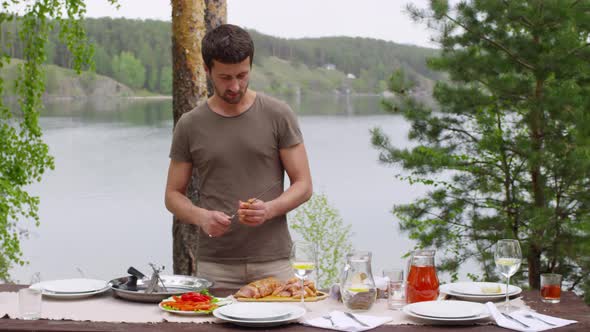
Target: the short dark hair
(227, 43)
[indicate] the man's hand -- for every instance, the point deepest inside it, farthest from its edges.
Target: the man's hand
(254, 212)
(215, 223)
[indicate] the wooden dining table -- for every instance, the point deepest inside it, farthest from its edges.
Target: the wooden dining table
(571, 307)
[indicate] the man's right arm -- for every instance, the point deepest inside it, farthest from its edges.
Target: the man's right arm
(179, 175)
(214, 223)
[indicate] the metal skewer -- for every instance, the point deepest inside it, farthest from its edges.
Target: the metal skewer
(252, 200)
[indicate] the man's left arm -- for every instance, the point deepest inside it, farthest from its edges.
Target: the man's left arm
(294, 159)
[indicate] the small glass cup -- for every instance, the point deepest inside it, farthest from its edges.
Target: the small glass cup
(396, 290)
(550, 287)
(30, 299)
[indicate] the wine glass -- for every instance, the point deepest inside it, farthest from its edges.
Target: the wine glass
(508, 257)
(303, 260)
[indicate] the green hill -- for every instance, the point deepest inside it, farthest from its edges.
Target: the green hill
(281, 66)
(371, 61)
(66, 83)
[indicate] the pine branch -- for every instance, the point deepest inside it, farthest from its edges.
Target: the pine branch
(514, 150)
(575, 50)
(520, 167)
(474, 202)
(503, 93)
(496, 44)
(482, 251)
(461, 131)
(522, 18)
(448, 221)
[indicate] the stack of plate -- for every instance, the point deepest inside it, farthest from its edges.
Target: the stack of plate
(71, 288)
(447, 311)
(479, 291)
(259, 314)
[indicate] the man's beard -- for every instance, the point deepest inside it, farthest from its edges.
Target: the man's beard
(231, 100)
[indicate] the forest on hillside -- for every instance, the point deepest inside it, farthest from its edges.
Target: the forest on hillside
(137, 53)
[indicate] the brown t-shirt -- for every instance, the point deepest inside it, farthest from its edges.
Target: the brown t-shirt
(236, 158)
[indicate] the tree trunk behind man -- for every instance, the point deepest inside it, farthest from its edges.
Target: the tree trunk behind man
(215, 15)
(190, 21)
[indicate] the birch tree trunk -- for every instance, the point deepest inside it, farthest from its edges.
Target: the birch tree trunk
(188, 87)
(191, 19)
(215, 15)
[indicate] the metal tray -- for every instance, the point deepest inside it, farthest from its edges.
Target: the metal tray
(175, 284)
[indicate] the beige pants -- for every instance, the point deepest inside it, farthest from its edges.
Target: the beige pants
(236, 275)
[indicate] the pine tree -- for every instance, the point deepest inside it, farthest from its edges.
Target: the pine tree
(507, 150)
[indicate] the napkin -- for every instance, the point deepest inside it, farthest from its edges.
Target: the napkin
(535, 325)
(345, 323)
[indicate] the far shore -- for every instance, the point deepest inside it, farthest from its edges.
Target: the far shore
(159, 97)
(68, 98)
(50, 98)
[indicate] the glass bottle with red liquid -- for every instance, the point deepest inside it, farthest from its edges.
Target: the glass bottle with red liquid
(422, 283)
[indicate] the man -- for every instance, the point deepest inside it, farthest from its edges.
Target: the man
(240, 142)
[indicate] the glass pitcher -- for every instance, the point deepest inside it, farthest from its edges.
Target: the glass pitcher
(358, 286)
(422, 283)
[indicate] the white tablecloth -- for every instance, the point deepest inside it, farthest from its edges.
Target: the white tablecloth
(106, 308)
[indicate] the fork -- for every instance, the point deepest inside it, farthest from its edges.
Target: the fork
(514, 319)
(328, 317)
(538, 318)
(356, 319)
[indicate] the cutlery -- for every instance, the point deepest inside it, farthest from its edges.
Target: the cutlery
(356, 319)
(152, 285)
(538, 318)
(257, 197)
(328, 317)
(514, 319)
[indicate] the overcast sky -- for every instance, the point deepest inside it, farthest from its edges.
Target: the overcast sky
(381, 19)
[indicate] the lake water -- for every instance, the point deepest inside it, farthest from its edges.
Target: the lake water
(102, 207)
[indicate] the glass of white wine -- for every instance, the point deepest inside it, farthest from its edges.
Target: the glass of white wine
(508, 257)
(303, 260)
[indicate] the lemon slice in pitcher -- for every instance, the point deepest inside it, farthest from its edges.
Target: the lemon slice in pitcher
(358, 288)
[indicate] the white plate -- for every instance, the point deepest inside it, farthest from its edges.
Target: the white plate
(67, 296)
(296, 314)
(257, 311)
(73, 286)
(447, 309)
(221, 302)
(447, 289)
(483, 314)
(478, 288)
